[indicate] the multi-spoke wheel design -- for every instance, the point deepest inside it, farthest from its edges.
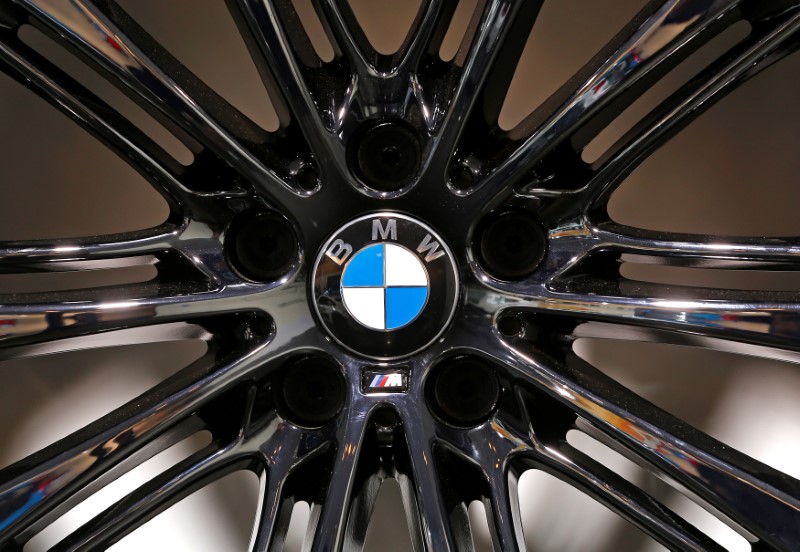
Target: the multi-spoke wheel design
(523, 214)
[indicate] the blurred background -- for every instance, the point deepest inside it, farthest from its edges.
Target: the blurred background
(732, 172)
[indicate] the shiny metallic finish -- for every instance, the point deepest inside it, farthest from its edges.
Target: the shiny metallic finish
(255, 330)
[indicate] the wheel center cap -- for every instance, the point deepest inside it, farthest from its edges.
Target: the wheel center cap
(385, 285)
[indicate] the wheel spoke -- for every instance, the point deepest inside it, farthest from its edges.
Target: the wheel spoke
(720, 252)
(491, 447)
(425, 34)
(68, 314)
(91, 113)
(409, 84)
(763, 48)
(550, 452)
(139, 312)
(502, 506)
(762, 500)
(772, 324)
(60, 319)
(289, 67)
(330, 515)
(281, 445)
(619, 332)
(67, 254)
(656, 40)
(498, 445)
(346, 35)
(505, 449)
(36, 490)
(146, 502)
(97, 35)
(114, 338)
(374, 82)
(483, 68)
(439, 521)
(622, 497)
(581, 279)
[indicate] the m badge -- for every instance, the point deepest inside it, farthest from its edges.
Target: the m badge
(385, 381)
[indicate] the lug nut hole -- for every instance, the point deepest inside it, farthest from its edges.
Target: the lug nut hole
(307, 178)
(311, 391)
(386, 156)
(462, 178)
(262, 247)
(510, 326)
(385, 418)
(463, 391)
(511, 245)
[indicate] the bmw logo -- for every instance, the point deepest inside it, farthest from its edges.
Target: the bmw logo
(385, 285)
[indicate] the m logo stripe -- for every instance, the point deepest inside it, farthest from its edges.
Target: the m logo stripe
(382, 381)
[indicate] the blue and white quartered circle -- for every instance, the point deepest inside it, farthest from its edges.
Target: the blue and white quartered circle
(385, 286)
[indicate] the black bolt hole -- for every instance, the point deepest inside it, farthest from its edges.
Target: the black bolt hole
(268, 243)
(262, 247)
(311, 391)
(385, 417)
(511, 244)
(307, 178)
(462, 178)
(510, 326)
(391, 156)
(315, 390)
(385, 156)
(463, 391)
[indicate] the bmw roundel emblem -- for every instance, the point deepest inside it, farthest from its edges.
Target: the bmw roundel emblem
(385, 285)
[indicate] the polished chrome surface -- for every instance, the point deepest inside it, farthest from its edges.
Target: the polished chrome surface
(252, 330)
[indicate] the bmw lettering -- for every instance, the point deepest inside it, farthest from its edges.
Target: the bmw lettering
(385, 285)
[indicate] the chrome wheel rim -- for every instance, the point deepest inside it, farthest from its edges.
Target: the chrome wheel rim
(469, 171)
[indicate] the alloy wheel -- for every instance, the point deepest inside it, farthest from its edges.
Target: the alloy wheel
(479, 382)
